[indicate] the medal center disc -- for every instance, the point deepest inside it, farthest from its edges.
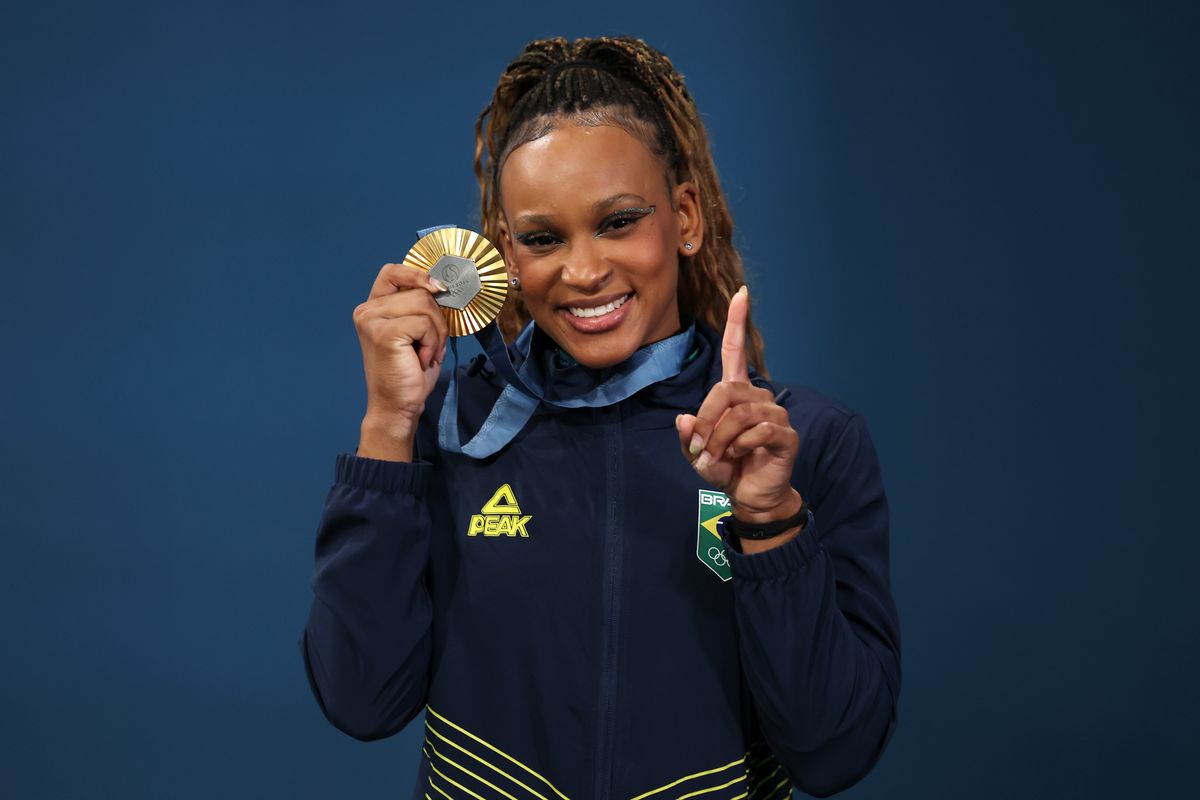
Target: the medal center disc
(461, 279)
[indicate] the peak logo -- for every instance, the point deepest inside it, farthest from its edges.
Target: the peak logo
(500, 516)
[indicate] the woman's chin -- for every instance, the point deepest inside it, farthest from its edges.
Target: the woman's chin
(597, 354)
(596, 346)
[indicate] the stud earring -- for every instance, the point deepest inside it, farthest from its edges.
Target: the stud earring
(515, 283)
(687, 245)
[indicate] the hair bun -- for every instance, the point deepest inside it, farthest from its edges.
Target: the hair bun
(577, 63)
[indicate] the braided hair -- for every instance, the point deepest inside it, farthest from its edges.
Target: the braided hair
(624, 82)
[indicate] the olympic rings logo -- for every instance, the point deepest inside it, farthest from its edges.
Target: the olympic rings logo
(718, 556)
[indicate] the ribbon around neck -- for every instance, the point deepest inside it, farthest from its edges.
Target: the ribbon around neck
(525, 389)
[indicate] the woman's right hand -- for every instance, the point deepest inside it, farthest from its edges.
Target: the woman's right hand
(403, 336)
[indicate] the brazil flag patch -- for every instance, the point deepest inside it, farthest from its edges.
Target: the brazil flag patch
(710, 548)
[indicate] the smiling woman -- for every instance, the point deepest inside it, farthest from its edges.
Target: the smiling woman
(650, 573)
(591, 254)
(623, 84)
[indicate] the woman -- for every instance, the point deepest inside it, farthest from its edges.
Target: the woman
(564, 604)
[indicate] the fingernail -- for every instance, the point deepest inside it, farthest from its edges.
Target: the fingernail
(678, 421)
(703, 461)
(744, 291)
(436, 284)
(697, 444)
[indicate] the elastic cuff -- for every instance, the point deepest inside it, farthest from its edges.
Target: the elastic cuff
(786, 559)
(384, 476)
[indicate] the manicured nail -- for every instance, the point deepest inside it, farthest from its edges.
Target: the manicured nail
(744, 291)
(436, 284)
(703, 461)
(697, 444)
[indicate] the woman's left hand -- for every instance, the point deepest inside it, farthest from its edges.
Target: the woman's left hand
(741, 441)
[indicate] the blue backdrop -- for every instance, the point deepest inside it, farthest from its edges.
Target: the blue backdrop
(976, 225)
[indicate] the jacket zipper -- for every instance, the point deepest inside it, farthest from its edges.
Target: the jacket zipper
(611, 599)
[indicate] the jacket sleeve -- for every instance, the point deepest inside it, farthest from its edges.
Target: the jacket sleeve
(367, 642)
(818, 631)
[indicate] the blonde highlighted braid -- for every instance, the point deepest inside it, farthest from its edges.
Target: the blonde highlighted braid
(623, 81)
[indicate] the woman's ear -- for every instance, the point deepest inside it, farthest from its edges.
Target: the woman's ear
(691, 220)
(506, 247)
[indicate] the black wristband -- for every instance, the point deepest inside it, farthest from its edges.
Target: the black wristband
(765, 530)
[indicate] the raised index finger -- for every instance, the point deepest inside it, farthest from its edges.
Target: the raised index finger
(733, 344)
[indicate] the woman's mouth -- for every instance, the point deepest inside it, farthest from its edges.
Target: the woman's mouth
(598, 311)
(597, 319)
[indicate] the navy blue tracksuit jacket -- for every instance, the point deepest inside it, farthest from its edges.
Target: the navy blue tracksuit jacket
(574, 626)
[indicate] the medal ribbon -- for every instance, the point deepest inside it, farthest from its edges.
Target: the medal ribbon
(524, 390)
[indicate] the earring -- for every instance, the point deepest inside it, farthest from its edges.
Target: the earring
(515, 283)
(687, 245)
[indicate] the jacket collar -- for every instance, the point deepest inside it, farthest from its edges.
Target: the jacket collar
(564, 377)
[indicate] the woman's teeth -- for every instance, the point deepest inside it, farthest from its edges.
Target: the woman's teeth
(598, 311)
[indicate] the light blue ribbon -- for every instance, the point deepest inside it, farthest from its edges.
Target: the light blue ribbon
(525, 391)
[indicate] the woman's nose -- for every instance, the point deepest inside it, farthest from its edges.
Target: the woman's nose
(585, 269)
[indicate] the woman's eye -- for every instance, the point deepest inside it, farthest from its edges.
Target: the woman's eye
(537, 240)
(624, 219)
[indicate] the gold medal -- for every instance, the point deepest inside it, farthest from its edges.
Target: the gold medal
(471, 269)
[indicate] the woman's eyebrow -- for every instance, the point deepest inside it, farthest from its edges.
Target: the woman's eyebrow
(534, 219)
(600, 205)
(546, 221)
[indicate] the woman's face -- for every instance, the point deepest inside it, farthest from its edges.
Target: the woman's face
(595, 235)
